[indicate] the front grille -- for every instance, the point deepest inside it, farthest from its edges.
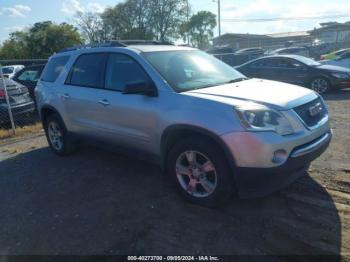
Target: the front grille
(310, 119)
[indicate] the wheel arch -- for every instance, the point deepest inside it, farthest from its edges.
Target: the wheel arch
(174, 132)
(48, 110)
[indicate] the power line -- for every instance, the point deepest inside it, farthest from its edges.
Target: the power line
(275, 19)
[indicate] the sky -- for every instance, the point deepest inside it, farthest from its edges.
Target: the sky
(19, 14)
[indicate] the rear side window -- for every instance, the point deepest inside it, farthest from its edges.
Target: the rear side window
(88, 71)
(123, 70)
(29, 75)
(54, 68)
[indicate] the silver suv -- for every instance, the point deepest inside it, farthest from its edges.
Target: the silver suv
(214, 131)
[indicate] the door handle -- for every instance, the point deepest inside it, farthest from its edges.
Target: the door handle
(104, 102)
(65, 95)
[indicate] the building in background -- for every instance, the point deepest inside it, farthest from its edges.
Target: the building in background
(331, 32)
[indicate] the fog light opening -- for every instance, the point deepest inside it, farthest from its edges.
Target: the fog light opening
(279, 156)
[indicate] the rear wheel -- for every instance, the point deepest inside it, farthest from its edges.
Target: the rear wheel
(57, 136)
(320, 85)
(200, 171)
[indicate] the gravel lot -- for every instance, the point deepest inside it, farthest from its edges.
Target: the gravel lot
(98, 202)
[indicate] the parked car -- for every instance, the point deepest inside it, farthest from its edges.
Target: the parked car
(302, 51)
(334, 55)
(19, 99)
(29, 77)
(239, 57)
(10, 71)
(341, 60)
(298, 70)
(209, 127)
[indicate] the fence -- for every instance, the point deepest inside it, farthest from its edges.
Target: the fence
(17, 107)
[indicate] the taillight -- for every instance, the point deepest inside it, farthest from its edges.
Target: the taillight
(2, 94)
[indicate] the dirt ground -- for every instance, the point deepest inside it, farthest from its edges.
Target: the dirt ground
(97, 202)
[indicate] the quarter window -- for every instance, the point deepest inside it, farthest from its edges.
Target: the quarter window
(122, 70)
(88, 71)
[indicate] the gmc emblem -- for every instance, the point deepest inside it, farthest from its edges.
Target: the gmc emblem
(316, 109)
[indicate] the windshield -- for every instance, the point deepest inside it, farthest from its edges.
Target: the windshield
(308, 61)
(7, 70)
(188, 70)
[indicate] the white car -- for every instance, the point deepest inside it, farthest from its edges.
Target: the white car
(11, 70)
(341, 60)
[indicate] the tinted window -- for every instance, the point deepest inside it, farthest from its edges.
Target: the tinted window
(121, 70)
(345, 55)
(265, 63)
(54, 68)
(88, 71)
(29, 75)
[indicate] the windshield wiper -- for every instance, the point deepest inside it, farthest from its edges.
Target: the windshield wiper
(239, 79)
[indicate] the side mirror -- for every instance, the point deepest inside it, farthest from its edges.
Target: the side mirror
(141, 87)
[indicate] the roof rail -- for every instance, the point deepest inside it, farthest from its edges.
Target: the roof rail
(77, 47)
(115, 43)
(142, 42)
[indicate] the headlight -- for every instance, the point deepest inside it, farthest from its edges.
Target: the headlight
(341, 75)
(261, 118)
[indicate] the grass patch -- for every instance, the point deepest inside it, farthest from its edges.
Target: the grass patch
(21, 131)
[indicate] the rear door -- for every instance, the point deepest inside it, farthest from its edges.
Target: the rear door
(291, 71)
(79, 94)
(266, 68)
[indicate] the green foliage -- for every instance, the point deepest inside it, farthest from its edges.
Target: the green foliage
(39, 41)
(136, 19)
(199, 29)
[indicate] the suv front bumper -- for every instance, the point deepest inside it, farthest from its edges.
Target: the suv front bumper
(257, 181)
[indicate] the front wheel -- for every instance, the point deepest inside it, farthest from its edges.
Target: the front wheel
(320, 85)
(200, 171)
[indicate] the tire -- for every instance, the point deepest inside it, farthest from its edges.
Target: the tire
(190, 178)
(320, 85)
(57, 136)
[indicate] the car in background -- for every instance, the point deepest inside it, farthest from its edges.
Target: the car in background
(10, 71)
(303, 51)
(235, 58)
(334, 55)
(342, 60)
(298, 70)
(19, 99)
(29, 77)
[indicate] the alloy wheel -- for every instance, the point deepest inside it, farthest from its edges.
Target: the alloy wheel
(320, 85)
(55, 135)
(196, 174)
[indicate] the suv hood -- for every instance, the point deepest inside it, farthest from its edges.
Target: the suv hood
(274, 94)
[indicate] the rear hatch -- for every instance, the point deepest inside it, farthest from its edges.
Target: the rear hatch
(18, 94)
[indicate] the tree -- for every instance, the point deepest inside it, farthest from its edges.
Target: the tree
(15, 47)
(40, 41)
(128, 20)
(200, 28)
(91, 26)
(167, 17)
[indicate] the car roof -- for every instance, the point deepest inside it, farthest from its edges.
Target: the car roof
(272, 56)
(134, 48)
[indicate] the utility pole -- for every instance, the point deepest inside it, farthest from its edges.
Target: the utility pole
(188, 20)
(219, 16)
